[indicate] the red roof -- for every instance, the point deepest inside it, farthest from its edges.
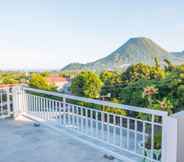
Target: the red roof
(7, 85)
(54, 79)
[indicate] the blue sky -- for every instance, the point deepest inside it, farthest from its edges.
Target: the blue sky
(48, 34)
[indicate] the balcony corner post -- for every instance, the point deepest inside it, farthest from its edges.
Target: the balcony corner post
(169, 139)
(15, 102)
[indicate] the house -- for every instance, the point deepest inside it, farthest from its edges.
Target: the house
(61, 83)
(7, 85)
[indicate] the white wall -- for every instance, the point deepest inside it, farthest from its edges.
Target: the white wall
(169, 150)
(180, 135)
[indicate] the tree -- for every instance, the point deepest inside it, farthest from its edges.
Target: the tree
(45, 74)
(157, 62)
(38, 81)
(142, 71)
(111, 83)
(132, 94)
(169, 66)
(9, 80)
(110, 77)
(86, 84)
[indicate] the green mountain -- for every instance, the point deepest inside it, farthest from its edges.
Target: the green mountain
(135, 50)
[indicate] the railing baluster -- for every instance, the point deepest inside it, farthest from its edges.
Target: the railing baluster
(21, 101)
(82, 124)
(30, 103)
(8, 102)
(34, 97)
(33, 104)
(114, 129)
(50, 109)
(1, 103)
(108, 128)
(128, 133)
(60, 114)
(64, 112)
(47, 109)
(70, 114)
(102, 124)
(43, 108)
(96, 120)
(91, 122)
(35, 108)
(135, 136)
(152, 136)
(53, 109)
(27, 102)
(144, 130)
(73, 117)
(78, 118)
(121, 133)
(86, 121)
(41, 105)
(38, 104)
(57, 112)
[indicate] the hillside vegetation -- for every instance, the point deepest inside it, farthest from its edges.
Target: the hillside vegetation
(140, 85)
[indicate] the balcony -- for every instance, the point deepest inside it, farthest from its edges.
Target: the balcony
(78, 129)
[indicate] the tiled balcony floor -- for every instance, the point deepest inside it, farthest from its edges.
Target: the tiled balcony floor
(20, 141)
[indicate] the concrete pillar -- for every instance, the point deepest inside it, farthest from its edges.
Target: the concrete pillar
(180, 135)
(169, 139)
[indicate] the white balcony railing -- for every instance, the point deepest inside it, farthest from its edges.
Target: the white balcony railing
(139, 133)
(5, 103)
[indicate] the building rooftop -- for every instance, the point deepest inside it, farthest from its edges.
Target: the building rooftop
(55, 79)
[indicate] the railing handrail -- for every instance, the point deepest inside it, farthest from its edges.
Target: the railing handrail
(100, 102)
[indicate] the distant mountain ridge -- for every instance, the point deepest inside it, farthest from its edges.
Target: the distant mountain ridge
(179, 54)
(135, 50)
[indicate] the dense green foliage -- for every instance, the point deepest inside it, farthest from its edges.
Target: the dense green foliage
(9, 77)
(111, 83)
(86, 84)
(39, 81)
(142, 71)
(140, 85)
